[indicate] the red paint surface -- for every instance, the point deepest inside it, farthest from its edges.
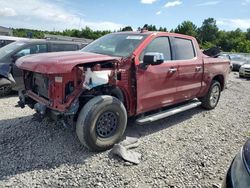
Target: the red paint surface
(59, 62)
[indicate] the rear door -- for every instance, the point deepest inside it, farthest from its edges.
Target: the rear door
(190, 68)
(156, 84)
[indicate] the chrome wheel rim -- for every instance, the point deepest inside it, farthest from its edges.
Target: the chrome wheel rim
(214, 97)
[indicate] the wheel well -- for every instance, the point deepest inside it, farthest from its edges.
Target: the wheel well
(221, 80)
(117, 92)
(112, 91)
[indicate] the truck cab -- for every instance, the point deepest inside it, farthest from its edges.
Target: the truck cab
(147, 75)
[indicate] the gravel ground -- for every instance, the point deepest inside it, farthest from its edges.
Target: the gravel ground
(191, 149)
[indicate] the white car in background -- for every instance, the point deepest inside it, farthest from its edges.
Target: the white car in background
(245, 70)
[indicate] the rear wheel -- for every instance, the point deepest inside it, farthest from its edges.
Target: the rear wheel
(101, 123)
(212, 97)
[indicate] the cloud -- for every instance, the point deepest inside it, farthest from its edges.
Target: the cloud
(208, 3)
(245, 2)
(158, 13)
(172, 3)
(7, 12)
(53, 15)
(234, 23)
(148, 1)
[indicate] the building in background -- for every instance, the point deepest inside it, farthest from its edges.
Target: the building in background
(6, 31)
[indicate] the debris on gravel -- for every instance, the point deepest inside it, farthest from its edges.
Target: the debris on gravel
(122, 150)
(191, 149)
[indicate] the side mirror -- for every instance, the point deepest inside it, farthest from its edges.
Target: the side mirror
(153, 58)
(15, 57)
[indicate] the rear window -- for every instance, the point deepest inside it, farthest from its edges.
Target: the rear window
(184, 49)
(63, 47)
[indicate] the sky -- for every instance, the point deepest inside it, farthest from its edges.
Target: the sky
(114, 14)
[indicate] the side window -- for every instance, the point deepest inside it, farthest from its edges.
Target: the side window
(63, 47)
(71, 47)
(34, 49)
(184, 49)
(23, 52)
(160, 45)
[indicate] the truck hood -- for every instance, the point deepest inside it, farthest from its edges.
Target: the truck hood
(59, 62)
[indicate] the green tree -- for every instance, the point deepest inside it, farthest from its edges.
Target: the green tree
(208, 32)
(127, 28)
(164, 29)
(187, 28)
(248, 34)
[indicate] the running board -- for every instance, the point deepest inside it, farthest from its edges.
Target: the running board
(169, 112)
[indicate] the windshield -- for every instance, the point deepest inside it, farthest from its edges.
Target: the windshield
(115, 44)
(10, 48)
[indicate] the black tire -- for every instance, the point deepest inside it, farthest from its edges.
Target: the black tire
(100, 114)
(241, 76)
(209, 101)
(5, 90)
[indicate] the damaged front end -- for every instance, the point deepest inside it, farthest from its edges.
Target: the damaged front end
(59, 96)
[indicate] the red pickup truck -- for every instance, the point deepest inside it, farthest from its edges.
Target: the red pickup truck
(148, 75)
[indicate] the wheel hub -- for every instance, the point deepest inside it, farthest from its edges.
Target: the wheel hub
(214, 95)
(106, 124)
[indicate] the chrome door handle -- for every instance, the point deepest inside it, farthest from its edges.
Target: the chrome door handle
(172, 70)
(198, 68)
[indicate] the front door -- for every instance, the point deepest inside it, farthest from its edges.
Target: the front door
(156, 84)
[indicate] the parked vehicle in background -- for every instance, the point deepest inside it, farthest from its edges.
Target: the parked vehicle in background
(120, 75)
(10, 75)
(238, 174)
(237, 60)
(5, 40)
(244, 71)
(227, 56)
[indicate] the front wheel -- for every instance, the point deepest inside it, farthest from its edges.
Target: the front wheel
(212, 97)
(101, 123)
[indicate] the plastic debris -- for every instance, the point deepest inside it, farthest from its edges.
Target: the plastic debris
(95, 78)
(122, 150)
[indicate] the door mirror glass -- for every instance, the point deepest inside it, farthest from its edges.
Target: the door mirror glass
(15, 57)
(153, 58)
(21, 53)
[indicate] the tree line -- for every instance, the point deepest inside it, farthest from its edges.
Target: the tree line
(208, 34)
